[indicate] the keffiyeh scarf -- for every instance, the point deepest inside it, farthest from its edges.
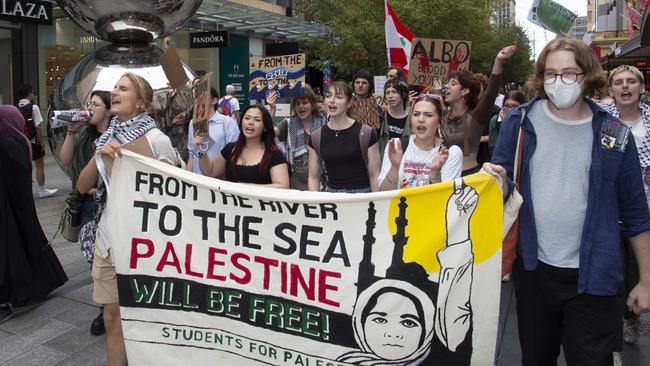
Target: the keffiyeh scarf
(122, 133)
(296, 145)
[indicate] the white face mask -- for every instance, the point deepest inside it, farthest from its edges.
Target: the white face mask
(561, 95)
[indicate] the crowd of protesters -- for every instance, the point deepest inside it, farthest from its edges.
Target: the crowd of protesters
(584, 182)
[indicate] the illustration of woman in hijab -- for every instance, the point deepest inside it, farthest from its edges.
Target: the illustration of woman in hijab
(389, 319)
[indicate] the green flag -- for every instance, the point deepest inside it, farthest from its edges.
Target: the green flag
(552, 16)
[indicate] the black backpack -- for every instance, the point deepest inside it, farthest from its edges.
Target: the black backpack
(28, 111)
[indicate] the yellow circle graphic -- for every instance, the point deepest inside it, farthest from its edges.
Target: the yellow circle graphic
(426, 229)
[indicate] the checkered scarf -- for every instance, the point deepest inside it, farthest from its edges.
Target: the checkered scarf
(296, 135)
(123, 132)
(644, 148)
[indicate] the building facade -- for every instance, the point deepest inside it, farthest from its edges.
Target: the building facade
(579, 28)
(503, 12)
(609, 27)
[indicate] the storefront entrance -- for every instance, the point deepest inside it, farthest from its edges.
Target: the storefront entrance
(6, 76)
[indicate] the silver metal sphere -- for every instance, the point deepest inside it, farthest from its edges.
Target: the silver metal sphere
(139, 21)
(101, 70)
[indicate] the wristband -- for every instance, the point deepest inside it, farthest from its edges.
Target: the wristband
(198, 154)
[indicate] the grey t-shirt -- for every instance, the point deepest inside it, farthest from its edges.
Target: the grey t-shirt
(559, 175)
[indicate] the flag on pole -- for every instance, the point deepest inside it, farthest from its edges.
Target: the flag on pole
(633, 17)
(398, 40)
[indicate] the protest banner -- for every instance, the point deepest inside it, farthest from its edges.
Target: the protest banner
(435, 59)
(551, 15)
(213, 272)
(202, 98)
(284, 74)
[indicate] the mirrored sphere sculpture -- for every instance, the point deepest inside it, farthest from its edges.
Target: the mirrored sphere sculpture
(101, 70)
(129, 20)
(130, 26)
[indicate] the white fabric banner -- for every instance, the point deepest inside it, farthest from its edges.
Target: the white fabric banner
(212, 272)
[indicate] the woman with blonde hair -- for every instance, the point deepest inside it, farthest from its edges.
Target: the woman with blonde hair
(131, 100)
(421, 158)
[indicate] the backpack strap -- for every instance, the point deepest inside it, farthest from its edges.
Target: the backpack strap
(364, 140)
(315, 141)
(405, 140)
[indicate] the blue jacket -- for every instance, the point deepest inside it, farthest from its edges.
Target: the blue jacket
(615, 195)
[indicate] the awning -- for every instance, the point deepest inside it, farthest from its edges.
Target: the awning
(246, 20)
(638, 46)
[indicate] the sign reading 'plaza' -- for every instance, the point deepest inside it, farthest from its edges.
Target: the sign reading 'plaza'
(27, 11)
(209, 39)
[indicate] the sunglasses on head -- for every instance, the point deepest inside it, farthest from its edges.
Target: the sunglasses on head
(437, 97)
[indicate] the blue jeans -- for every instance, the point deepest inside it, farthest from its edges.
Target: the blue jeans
(348, 190)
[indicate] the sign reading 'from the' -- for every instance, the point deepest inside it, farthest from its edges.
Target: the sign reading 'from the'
(282, 74)
(436, 59)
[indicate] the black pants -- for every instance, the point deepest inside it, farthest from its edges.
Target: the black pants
(550, 313)
(630, 275)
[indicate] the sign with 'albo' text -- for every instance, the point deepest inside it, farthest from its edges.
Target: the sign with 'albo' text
(222, 273)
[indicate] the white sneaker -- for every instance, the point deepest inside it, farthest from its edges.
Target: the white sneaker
(618, 359)
(42, 193)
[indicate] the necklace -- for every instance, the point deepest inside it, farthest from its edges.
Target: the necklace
(338, 130)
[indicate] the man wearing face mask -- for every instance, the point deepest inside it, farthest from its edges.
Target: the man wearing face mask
(581, 184)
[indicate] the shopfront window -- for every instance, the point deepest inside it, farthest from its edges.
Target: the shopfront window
(200, 60)
(60, 46)
(64, 43)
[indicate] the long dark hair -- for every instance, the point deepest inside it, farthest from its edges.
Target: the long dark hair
(268, 138)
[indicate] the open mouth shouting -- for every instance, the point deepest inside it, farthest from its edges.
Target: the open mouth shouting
(626, 95)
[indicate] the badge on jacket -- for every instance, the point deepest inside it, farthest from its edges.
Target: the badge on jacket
(614, 135)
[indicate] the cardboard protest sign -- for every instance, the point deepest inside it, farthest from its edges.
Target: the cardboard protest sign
(202, 98)
(213, 272)
(284, 74)
(173, 68)
(435, 59)
(552, 16)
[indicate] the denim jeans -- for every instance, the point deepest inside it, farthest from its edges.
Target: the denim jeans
(348, 190)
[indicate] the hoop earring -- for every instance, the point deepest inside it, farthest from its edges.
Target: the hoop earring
(439, 132)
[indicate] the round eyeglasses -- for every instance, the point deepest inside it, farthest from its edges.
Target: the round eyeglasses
(568, 77)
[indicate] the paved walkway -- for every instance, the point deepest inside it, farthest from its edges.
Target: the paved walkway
(56, 332)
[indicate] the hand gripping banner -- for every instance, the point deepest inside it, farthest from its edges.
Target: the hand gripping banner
(212, 272)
